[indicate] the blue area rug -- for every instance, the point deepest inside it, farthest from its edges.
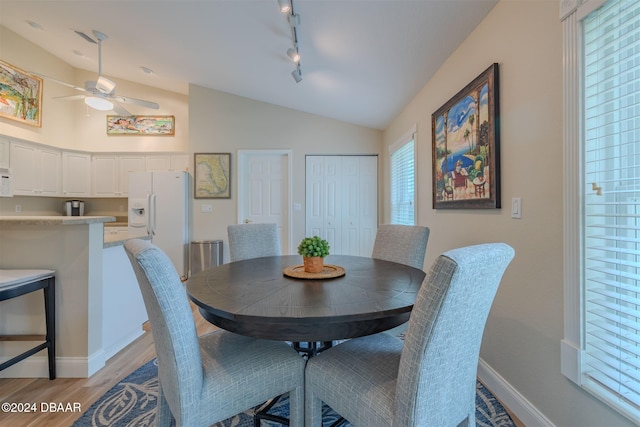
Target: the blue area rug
(132, 402)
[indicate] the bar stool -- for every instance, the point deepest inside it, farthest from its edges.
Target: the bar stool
(14, 283)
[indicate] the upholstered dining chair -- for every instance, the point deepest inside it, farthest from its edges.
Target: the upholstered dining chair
(203, 380)
(430, 379)
(405, 244)
(253, 241)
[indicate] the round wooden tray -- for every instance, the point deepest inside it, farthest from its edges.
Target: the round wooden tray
(328, 272)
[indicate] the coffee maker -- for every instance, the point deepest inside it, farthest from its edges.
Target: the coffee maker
(73, 208)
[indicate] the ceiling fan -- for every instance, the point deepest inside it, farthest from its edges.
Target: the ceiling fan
(100, 94)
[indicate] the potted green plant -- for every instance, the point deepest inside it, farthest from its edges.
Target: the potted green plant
(313, 250)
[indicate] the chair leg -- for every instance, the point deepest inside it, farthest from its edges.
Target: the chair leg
(312, 410)
(50, 320)
(296, 407)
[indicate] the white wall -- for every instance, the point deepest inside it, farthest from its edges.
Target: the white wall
(220, 122)
(523, 333)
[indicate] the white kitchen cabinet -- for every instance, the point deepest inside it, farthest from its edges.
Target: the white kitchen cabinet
(35, 170)
(158, 162)
(110, 173)
(180, 162)
(76, 174)
(4, 153)
(167, 162)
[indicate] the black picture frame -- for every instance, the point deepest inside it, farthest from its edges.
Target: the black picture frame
(466, 146)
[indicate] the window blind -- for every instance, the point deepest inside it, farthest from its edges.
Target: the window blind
(611, 359)
(403, 184)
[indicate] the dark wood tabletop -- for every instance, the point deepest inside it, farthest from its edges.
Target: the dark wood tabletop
(253, 297)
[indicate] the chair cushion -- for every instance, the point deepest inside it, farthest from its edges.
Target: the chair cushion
(362, 369)
(246, 372)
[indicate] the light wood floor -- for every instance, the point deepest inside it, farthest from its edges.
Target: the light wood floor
(83, 391)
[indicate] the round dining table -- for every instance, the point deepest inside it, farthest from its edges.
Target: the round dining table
(255, 297)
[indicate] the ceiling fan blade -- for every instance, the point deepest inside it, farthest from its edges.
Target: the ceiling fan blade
(84, 36)
(120, 110)
(81, 89)
(69, 98)
(141, 102)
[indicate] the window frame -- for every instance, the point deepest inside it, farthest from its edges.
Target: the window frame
(572, 13)
(406, 138)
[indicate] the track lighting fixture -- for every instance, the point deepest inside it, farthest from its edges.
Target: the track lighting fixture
(293, 54)
(297, 75)
(294, 20)
(286, 6)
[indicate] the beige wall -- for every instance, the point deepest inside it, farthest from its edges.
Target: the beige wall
(220, 122)
(70, 124)
(524, 330)
(57, 116)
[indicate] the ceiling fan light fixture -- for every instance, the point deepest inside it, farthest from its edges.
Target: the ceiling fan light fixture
(98, 103)
(105, 85)
(285, 5)
(293, 54)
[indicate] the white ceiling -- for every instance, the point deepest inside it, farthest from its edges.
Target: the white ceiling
(362, 60)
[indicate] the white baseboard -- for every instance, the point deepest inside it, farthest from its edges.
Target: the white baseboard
(131, 336)
(66, 367)
(510, 397)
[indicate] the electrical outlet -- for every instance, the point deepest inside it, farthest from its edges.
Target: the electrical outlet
(18, 208)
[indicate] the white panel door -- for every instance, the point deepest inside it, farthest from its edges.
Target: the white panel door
(264, 189)
(332, 203)
(342, 202)
(314, 196)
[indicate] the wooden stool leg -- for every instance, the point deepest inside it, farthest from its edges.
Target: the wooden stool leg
(50, 315)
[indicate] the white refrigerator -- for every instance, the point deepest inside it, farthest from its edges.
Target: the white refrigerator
(158, 207)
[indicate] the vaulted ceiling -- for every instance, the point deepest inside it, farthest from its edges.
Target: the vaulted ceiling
(362, 60)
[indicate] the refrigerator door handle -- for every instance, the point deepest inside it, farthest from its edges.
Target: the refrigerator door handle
(149, 213)
(153, 214)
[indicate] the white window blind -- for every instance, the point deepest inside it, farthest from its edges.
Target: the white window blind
(611, 359)
(403, 184)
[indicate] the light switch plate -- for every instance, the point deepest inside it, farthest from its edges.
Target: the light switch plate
(206, 208)
(516, 207)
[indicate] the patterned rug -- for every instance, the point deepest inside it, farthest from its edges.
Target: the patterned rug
(132, 402)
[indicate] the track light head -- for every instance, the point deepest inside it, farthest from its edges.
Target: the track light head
(293, 54)
(294, 20)
(285, 6)
(297, 75)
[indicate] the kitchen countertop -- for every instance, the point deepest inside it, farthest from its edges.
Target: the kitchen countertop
(110, 240)
(54, 220)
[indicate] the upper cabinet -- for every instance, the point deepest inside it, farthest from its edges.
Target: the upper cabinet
(35, 170)
(111, 173)
(167, 162)
(39, 170)
(76, 174)
(4, 153)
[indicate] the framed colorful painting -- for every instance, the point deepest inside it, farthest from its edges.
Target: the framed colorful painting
(465, 147)
(212, 175)
(20, 95)
(141, 125)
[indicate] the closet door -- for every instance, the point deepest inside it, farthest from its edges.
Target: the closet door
(342, 202)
